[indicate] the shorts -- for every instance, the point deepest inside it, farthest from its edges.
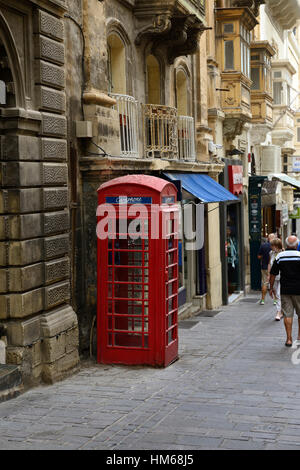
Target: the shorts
(289, 303)
(264, 277)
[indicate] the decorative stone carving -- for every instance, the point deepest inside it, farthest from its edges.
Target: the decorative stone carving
(51, 100)
(56, 246)
(56, 270)
(160, 24)
(49, 74)
(55, 198)
(54, 125)
(54, 173)
(54, 149)
(50, 26)
(52, 51)
(57, 294)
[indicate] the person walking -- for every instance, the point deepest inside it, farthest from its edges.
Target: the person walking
(276, 247)
(287, 264)
(264, 255)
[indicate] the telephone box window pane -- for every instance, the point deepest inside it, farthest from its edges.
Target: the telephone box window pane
(131, 324)
(171, 336)
(130, 307)
(229, 55)
(255, 78)
(130, 340)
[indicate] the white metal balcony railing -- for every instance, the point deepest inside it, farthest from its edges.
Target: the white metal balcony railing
(186, 138)
(127, 107)
(166, 135)
(160, 131)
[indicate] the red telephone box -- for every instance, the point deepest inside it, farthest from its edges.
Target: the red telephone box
(137, 230)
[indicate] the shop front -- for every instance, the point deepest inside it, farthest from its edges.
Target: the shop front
(232, 236)
(201, 199)
(270, 223)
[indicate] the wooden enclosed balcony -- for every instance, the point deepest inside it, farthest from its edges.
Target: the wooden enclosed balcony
(261, 88)
(233, 54)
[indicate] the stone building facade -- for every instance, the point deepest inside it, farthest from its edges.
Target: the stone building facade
(36, 314)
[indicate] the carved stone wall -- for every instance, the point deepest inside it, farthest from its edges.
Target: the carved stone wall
(42, 328)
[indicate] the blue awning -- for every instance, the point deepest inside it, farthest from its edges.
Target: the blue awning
(202, 186)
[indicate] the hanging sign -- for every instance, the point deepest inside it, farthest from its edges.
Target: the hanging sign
(235, 175)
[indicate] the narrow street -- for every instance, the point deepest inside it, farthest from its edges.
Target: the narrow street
(234, 387)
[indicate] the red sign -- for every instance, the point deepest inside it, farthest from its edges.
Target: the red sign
(235, 174)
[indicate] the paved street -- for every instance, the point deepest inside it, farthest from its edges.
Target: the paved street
(234, 387)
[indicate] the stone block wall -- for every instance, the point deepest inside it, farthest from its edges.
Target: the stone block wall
(42, 328)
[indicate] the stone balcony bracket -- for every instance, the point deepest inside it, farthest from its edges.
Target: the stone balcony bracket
(253, 5)
(169, 27)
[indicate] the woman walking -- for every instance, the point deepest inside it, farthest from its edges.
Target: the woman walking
(276, 247)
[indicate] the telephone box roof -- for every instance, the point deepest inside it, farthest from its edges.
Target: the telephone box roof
(153, 182)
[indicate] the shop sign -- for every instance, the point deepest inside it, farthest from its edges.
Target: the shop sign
(295, 214)
(235, 175)
(296, 164)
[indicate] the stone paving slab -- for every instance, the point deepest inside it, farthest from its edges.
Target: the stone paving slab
(233, 387)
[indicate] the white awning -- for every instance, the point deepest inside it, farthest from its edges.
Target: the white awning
(285, 179)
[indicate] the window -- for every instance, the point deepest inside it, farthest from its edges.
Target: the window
(116, 65)
(153, 80)
(277, 74)
(229, 55)
(288, 95)
(298, 134)
(255, 78)
(277, 92)
(285, 158)
(245, 51)
(181, 93)
(228, 28)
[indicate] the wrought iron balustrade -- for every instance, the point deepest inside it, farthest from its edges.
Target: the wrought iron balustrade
(160, 131)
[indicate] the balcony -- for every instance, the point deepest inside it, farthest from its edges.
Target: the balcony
(261, 90)
(286, 12)
(173, 25)
(233, 55)
(165, 135)
(127, 108)
(285, 103)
